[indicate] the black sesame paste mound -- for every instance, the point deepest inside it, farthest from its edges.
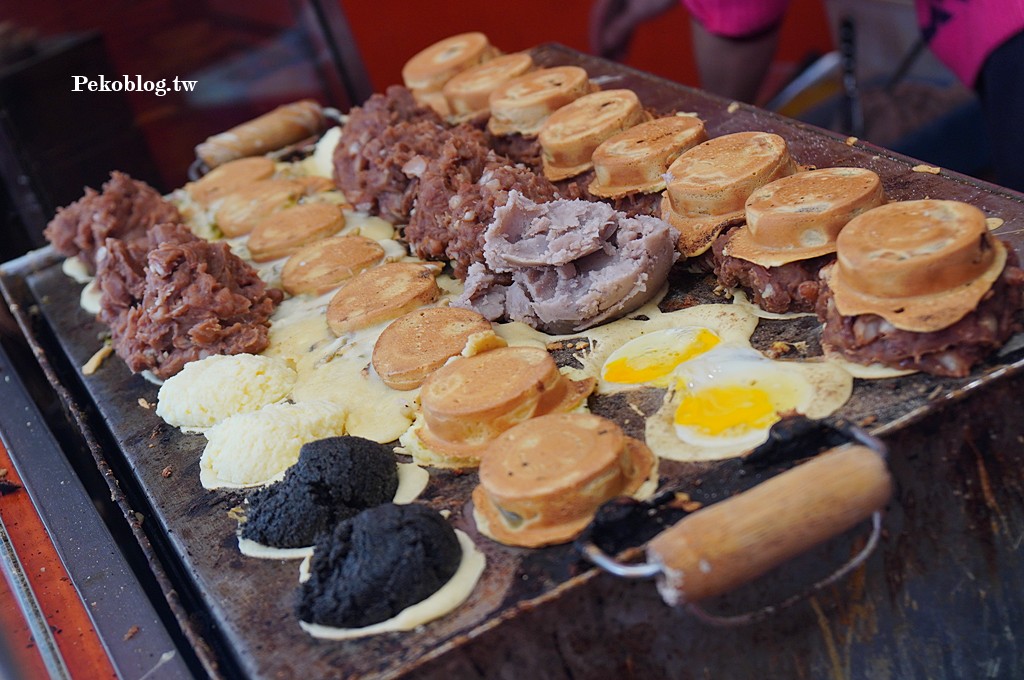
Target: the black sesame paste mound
(376, 564)
(333, 480)
(350, 471)
(280, 519)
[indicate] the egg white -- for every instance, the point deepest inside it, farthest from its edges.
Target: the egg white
(873, 371)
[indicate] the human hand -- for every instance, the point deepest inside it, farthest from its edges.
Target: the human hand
(612, 23)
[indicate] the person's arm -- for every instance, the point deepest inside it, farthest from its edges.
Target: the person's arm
(612, 23)
(733, 67)
(734, 40)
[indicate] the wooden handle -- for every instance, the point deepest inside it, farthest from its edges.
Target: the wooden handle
(727, 544)
(284, 125)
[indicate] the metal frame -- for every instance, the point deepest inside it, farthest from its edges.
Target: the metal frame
(113, 596)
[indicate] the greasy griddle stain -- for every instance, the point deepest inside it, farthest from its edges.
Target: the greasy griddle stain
(446, 485)
(204, 504)
(959, 486)
(978, 465)
(856, 612)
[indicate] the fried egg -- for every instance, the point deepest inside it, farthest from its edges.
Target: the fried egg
(725, 401)
(652, 358)
(644, 350)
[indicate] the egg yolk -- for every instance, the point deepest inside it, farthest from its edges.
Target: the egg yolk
(726, 410)
(654, 363)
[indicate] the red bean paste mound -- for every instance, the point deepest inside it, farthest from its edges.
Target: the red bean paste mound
(185, 301)
(792, 287)
(126, 209)
(380, 137)
(459, 190)
(121, 267)
(578, 187)
(950, 351)
(519, 149)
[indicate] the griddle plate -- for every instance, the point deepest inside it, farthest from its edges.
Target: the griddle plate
(541, 611)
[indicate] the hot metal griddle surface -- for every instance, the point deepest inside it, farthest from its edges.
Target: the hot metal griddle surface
(950, 529)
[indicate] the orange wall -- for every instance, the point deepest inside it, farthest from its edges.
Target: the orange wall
(388, 32)
(164, 38)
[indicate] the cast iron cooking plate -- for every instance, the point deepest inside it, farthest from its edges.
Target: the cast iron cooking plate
(940, 598)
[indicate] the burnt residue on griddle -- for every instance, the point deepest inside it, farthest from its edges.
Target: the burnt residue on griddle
(374, 565)
(629, 408)
(795, 437)
(447, 484)
(801, 336)
(689, 288)
(567, 352)
(334, 479)
(626, 522)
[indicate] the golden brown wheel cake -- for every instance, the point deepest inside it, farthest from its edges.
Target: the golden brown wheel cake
(921, 265)
(572, 133)
(543, 480)
(523, 104)
(799, 217)
(708, 185)
(282, 233)
(244, 207)
(382, 293)
(415, 345)
(229, 177)
(790, 234)
(314, 184)
(469, 401)
(919, 285)
(635, 160)
(467, 94)
(287, 124)
(428, 70)
(321, 266)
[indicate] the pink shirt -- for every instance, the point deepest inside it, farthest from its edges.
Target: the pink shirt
(737, 18)
(962, 33)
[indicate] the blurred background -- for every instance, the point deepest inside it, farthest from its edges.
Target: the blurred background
(249, 57)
